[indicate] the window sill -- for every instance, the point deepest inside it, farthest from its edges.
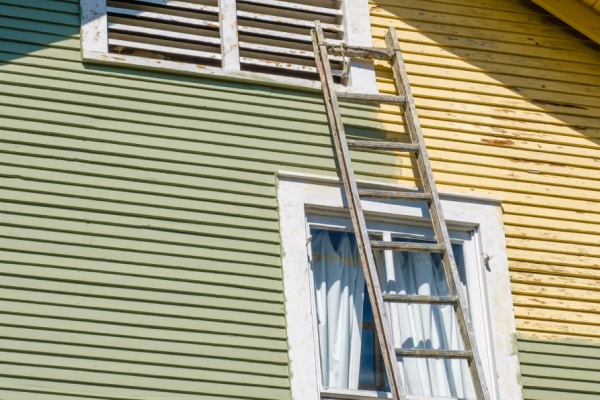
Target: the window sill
(300, 195)
(338, 394)
(345, 394)
(213, 72)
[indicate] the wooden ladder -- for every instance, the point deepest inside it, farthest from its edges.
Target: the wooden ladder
(429, 194)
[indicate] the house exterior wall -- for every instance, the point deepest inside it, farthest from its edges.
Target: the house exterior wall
(139, 237)
(139, 232)
(509, 101)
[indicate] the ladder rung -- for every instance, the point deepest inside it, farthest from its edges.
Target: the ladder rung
(371, 98)
(361, 52)
(408, 246)
(432, 353)
(418, 299)
(394, 195)
(386, 146)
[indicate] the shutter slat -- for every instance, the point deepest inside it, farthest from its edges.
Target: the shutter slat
(286, 21)
(162, 17)
(163, 34)
(282, 50)
(277, 34)
(294, 6)
(283, 65)
(164, 49)
(179, 5)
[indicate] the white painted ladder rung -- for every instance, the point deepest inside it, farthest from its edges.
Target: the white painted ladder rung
(361, 52)
(382, 146)
(394, 195)
(418, 299)
(433, 353)
(408, 246)
(371, 98)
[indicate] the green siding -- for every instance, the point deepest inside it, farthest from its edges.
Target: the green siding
(139, 241)
(556, 370)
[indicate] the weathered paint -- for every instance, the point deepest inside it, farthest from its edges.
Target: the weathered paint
(509, 101)
(139, 241)
(139, 236)
(555, 368)
(230, 47)
(577, 13)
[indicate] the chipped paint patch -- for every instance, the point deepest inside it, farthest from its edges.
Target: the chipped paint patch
(499, 142)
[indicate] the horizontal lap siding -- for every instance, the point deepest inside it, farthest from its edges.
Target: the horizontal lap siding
(139, 239)
(139, 242)
(509, 101)
(553, 371)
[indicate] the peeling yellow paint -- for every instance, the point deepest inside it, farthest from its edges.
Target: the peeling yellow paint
(510, 107)
(577, 13)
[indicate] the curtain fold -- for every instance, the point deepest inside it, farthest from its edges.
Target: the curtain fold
(340, 293)
(425, 326)
(339, 285)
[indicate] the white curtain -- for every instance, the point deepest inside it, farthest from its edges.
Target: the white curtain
(339, 285)
(425, 326)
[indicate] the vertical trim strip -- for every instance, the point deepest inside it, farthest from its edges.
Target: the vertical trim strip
(94, 26)
(357, 32)
(230, 48)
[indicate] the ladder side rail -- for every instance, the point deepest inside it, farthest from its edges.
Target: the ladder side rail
(358, 221)
(439, 225)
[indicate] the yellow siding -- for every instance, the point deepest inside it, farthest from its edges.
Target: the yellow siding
(509, 99)
(577, 13)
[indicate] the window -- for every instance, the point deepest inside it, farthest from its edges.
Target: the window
(343, 363)
(265, 40)
(348, 352)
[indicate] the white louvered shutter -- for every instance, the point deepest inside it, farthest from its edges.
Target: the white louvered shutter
(274, 35)
(185, 31)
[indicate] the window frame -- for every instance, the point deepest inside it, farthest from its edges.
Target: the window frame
(302, 195)
(477, 291)
(357, 28)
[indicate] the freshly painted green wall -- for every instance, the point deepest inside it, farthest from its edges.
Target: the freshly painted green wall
(139, 241)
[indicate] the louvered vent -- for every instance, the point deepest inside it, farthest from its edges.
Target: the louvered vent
(274, 35)
(185, 31)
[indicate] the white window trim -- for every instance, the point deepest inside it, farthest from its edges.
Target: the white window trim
(356, 21)
(298, 193)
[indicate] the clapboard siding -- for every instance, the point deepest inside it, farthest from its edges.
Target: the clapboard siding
(509, 101)
(139, 238)
(558, 370)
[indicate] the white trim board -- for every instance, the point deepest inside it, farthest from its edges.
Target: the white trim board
(301, 176)
(300, 195)
(356, 28)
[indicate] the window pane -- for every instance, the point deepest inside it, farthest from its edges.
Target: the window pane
(340, 295)
(349, 352)
(425, 326)
(372, 371)
(367, 361)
